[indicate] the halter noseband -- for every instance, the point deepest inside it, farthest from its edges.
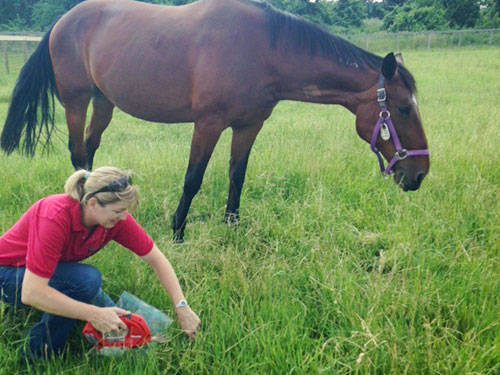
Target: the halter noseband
(386, 128)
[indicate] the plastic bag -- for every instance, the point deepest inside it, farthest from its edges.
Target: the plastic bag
(157, 321)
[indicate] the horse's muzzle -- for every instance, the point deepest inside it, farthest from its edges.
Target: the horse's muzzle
(409, 181)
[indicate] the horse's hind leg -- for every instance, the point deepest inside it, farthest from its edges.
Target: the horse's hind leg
(205, 137)
(76, 113)
(101, 117)
(242, 142)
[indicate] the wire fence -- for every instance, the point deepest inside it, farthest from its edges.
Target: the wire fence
(426, 40)
(16, 49)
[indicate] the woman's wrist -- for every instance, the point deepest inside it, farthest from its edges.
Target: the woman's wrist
(92, 312)
(182, 303)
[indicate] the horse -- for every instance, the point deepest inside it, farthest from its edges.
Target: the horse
(219, 64)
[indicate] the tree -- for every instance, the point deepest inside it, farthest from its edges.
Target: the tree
(15, 14)
(375, 9)
(23, 15)
(415, 16)
(348, 14)
(462, 13)
(316, 12)
(489, 16)
(45, 13)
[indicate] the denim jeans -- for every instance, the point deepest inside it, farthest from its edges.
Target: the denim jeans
(81, 282)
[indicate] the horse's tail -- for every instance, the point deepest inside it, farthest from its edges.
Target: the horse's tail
(32, 106)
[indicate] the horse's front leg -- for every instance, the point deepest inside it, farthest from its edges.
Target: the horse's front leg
(205, 137)
(242, 142)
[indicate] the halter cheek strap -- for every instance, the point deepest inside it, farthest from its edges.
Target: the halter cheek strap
(384, 123)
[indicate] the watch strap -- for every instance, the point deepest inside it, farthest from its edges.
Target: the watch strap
(181, 303)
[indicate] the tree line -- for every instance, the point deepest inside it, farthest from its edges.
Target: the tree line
(341, 16)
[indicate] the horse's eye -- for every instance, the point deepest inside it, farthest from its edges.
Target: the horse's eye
(405, 111)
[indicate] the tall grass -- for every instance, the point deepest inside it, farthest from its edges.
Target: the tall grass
(332, 270)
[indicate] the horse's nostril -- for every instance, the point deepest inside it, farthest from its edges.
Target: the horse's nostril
(420, 177)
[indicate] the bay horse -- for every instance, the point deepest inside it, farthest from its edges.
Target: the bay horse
(219, 64)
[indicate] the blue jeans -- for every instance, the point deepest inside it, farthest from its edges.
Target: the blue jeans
(81, 282)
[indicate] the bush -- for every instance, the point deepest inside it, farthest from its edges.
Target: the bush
(411, 17)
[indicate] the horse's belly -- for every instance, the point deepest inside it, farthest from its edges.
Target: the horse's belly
(157, 99)
(157, 114)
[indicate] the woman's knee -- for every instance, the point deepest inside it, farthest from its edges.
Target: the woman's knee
(78, 281)
(90, 280)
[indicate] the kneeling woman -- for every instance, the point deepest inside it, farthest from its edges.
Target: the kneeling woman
(39, 258)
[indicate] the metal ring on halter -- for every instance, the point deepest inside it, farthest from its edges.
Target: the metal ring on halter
(384, 112)
(403, 154)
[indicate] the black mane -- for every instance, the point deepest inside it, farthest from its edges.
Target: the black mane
(303, 34)
(407, 79)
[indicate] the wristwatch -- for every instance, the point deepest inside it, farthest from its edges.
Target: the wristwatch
(182, 303)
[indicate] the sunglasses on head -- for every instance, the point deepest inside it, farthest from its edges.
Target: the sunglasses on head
(115, 186)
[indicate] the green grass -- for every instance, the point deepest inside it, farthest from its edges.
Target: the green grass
(332, 270)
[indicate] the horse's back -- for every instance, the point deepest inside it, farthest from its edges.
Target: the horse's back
(161, 63)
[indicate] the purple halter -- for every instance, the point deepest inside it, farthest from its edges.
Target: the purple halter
(385, 126)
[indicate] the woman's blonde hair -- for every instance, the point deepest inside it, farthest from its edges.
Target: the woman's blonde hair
(83, 185)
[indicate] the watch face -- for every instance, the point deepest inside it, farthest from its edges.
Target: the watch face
(181, 304)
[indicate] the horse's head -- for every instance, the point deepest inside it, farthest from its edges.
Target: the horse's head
(388, 119)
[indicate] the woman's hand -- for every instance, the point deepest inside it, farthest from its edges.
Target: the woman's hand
(106, 319)
(36, 292)
(188, 320)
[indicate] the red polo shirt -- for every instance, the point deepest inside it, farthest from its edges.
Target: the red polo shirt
(51, 231)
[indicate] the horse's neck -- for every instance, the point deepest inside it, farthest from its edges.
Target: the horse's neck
(324, 81)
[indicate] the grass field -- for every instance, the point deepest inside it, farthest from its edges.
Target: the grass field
(332, 270)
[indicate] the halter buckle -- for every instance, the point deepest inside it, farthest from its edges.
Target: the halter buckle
(381, 95)
(403, 154)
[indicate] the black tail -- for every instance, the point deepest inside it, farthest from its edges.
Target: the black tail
(32, 106)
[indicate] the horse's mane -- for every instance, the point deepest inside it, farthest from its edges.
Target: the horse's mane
(303, 34)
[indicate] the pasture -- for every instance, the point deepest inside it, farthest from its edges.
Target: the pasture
(332, 270)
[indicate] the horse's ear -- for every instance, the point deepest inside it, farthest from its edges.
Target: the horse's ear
(399, 58)
(389, 66)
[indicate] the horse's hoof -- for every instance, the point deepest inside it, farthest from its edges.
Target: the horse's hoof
(232, 219)
(178, 237)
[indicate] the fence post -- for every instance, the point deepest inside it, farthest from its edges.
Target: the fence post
(429, 41)
(397, 42)
(459, 38)
(490, 42)
(6, 57)
(366, 43)
(25, 50)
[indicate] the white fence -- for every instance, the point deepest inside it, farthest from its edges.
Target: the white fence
(17, 48)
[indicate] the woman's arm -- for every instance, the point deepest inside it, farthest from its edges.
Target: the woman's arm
(188, 320)
(36, 292)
